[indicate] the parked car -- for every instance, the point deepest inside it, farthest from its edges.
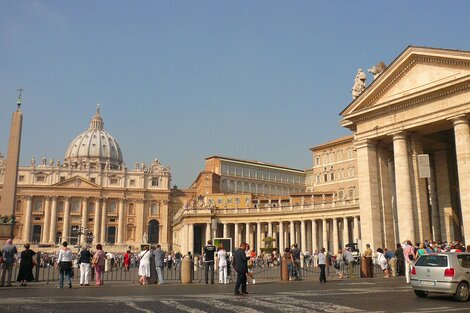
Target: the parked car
(447, 273)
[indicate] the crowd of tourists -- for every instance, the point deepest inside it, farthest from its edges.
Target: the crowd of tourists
(152, 260)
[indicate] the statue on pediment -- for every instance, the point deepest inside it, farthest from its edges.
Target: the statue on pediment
(359, 84)
(376, 70)
(33, 161)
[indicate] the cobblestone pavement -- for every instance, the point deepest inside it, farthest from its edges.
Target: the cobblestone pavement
(361, 295)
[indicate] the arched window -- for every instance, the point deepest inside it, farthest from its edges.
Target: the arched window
(224, 185)
(246, 187)
(153, 231)
(239, 187)
(231, 186)
(37, 205)
(130, 209)
(60, 207)
(112, 206)
(91, 207)
(253, 188)
(18, 207)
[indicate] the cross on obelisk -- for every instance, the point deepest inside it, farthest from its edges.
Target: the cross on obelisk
(20, 90)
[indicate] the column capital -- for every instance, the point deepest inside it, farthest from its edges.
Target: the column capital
(365, 143)
(459, 119)
(399, 135)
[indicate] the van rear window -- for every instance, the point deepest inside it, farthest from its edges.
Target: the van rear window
(432, 261)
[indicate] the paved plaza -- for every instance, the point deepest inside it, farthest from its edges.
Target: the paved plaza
(360, 295)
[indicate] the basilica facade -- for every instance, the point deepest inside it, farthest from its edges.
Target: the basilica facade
(91, 196)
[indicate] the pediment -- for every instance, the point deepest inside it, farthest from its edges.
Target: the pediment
(76, 182)
(415, 72)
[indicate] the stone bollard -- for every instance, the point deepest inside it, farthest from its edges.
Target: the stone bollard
(302, 258)
(186, 271)
(284, 270)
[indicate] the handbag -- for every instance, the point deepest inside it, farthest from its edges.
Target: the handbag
(411, 257)
(95, 259)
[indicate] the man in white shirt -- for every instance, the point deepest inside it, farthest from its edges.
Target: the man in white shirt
(322, 264)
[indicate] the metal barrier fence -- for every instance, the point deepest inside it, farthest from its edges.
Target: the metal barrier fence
(50, 274)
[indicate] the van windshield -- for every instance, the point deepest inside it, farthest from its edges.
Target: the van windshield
(432, 261)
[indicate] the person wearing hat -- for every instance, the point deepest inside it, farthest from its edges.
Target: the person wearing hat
(84, 259)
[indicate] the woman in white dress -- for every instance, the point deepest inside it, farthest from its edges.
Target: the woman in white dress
(144, 266)
(222, 255)
(382, 261)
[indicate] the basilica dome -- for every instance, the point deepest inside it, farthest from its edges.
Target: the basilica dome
(94, 148)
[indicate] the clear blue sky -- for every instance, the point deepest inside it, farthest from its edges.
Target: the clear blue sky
(182, 80)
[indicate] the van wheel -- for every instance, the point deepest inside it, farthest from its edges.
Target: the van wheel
(462, 292)
(421, 293)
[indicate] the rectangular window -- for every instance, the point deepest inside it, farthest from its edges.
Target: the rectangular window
(229, 200)
(40, 179)
(155, 181)
(237, 200)
(62, 178)
(21, 178)
(113, 181)
(93, 180)
(332, 176)
(132, 182)
(340, 195)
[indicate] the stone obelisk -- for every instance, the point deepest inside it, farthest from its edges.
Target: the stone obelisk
(8, 202)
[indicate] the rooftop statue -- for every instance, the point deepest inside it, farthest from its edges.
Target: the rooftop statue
(359, 84)
(376, 70)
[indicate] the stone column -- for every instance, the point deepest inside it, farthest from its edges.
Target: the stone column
(369, 195)
(236, 242)
(314, 236)
(247, 233)
(258, 237)
(281, 237)
(325, 235)
(421, 193)
(27, 220)
(84, 220)
(335, 236)
(66, 220)
(104, 220)
(406, 226)
(225, 230)
(191, 237)
(53, 226)
(292, 233)
(462, 151)
(303, 237)
(356, 229)
(435, 218)
(47, 220)
(386, 192)
(345, 232)
(208, 233)
(121, 227)
(270, 229)
(96, 222)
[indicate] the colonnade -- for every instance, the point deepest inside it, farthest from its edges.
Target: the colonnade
(310, 234)
(397, 203)
(50, 223)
